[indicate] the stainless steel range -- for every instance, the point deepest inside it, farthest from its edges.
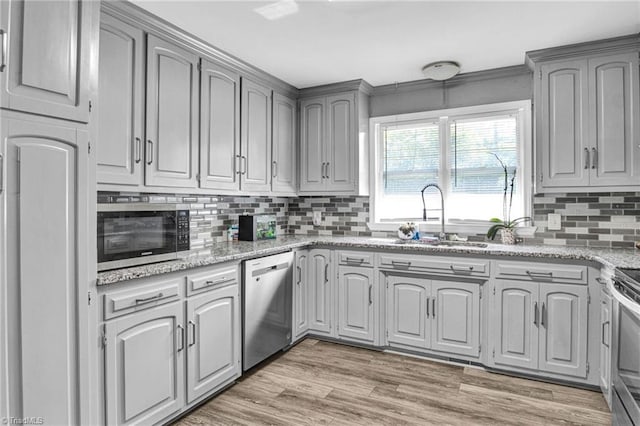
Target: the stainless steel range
(626, 347)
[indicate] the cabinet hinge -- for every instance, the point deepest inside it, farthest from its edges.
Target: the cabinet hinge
(89, 298)
(89, 148)
(387, 334)
(480, 348)
(90, 106)
(199, 66)
(494, 291)
(480, 292)
(494, 352)
(198, 177)
(103, 338)
(540, 74)
(588, 367)
(588, 297)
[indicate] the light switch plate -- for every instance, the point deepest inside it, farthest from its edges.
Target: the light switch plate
(317, 218)
(554, 221)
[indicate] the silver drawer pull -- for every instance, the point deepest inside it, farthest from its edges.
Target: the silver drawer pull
(3, 49)
(400, 263)
(150, 298)
(601, 281)
(355, 259)
(546, 274)
(456, 268)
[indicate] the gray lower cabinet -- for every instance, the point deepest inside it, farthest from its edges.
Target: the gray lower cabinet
(172, 115)
(144, 366)
(219, 127)
(120, 110)
(284, 146)
(355, 304)
(255, 137)
(605, 344)
(426, 313)
(48, 44)
(320, 289)
(213, 340)
(44, 284)
(301, 295)
(540, 326)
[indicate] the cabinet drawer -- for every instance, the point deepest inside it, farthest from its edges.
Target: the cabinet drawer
(355, 258)
(218, 277)
(573, 274)
(124, 302)
(437, 265)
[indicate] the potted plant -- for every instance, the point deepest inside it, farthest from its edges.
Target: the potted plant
(506, 225)
(407, 231)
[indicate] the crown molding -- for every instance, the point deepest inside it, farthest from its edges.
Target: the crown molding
(343, 86)
(140, 18)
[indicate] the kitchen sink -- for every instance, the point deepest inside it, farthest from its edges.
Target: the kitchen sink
(440, 243)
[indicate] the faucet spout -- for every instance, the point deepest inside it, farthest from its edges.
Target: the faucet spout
(443, 235)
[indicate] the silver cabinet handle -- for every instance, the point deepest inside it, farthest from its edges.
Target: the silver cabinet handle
(456, 268)
(149, 151)
(327, 172)
(535, 313)
(433, 307)
(236, 165)
(604, 324)
(428, 300)
(326, 273)
(586, 158)
(3, 59)
(193, 333)
(149, 299)
(244, 164)
(370, 294)
(299, 275)
(540, 273)
(322, 170)
(274, 169)
(181, 338)
(542, 315)
(400, 263)
(138, 150)
(594, 158)
(601, 281)
(354, 259)
(1, 173)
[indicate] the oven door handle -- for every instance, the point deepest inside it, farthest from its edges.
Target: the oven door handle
(624, 301)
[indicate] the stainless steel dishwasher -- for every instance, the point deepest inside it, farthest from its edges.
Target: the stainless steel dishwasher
(267, 303)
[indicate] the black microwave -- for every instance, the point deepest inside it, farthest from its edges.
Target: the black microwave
(136, 233)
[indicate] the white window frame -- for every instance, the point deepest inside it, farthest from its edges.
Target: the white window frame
(525, 153)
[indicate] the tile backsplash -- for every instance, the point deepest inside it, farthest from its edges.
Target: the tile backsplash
(597, 219)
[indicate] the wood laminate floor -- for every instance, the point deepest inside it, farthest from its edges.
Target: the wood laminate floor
(318, 382)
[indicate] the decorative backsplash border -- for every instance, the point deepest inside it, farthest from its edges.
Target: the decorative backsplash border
(599, 219)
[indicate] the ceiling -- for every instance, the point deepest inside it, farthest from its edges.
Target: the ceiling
(385, 42)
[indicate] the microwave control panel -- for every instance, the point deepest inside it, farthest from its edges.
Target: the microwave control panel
(183, 239)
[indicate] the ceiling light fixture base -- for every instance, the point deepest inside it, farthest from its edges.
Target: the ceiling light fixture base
(441, 70)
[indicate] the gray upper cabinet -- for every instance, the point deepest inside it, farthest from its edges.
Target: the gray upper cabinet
(284, 146)
(355, 303)
(455, 327)
(120, 110)
(172, 115)
(144, 366)
(45, 271)
(587, 121)
(219, 127)
(333, 149)
(255, 137)
(49, 49)
(213, 340)
(321, 294)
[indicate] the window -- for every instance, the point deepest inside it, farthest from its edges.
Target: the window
(458, 150)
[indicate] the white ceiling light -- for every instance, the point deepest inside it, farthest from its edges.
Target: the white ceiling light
(278, 10)
(441, 70)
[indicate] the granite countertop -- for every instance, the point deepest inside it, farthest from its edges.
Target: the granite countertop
(240, 250)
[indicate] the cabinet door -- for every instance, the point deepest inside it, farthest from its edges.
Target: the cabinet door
(219, 127)
(514, 323)
(455, 319)
(49, 45)
(312, 136)
(563, 332)
(45, 273)
(614, 99)
(213, 336)
(321, 295)
(301, 295)
(120, 115)
(144, 366)
(562, 125)
(283, 165)
(171, 152)
(355, 303)
(341, 143)
(407, 312)
(255, 139)
(605, 345)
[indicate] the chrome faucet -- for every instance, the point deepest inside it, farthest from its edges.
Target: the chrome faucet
(442, 235)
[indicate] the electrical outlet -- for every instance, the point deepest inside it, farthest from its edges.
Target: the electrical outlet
(554, 222)
(317, 218)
